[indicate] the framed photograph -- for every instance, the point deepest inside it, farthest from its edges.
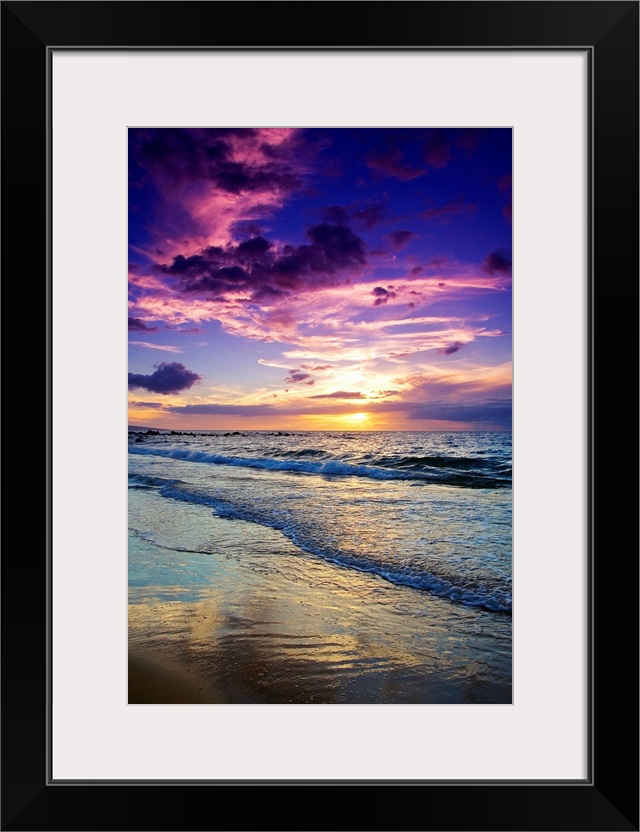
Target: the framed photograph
(355, 236)
(330, 424)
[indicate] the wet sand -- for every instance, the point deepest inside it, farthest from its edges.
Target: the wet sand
(161, 679)
(317, 634)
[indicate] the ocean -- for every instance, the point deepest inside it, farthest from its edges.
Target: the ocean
(318, 567)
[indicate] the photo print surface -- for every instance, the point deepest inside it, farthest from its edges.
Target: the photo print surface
(319, 440)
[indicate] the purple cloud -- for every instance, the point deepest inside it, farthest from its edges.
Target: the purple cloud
(337, 214)
(496, 411)
(366, 214)
(505, 186)
(450, 209)
(339, 394)
(265, 274)
(492, 411)
(252, 229)
(437, 151)
(437, 262)
(296, 377)
(369, 215)
(390, 162)
(451, 348)
(398, 239)
(223, 409)
(254, 249)
(468, 139)
(197, 154)
(138, 325)
(167, 378)
(498, 262)
(382, 295)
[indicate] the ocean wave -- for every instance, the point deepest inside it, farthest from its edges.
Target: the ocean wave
(146, 481)
(460, 589)
(402, 468)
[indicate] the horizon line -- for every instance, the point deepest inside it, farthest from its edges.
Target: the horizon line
(309, 430)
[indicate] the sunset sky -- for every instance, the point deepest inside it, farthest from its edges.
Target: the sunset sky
(311, 279)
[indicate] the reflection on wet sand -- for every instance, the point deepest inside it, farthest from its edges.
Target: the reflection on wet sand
(336, 637)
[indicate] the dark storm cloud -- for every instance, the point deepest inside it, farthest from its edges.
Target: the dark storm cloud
(498, 262)
(255, 267)
(138, 325)
(167, 378)
(494, 411)
(398, 239)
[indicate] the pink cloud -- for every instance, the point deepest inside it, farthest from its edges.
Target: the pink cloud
(218, 177)
(149, 346)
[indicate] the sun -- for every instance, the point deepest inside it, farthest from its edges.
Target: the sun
(356, 419)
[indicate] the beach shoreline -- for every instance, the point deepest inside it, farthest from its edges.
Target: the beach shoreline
(271, 575)
(337, 637)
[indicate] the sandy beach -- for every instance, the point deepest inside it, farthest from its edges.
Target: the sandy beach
(156, 677)
(258, 636)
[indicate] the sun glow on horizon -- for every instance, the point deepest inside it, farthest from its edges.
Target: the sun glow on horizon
(356, 419)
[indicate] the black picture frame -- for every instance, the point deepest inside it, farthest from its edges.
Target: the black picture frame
(608, 798)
